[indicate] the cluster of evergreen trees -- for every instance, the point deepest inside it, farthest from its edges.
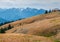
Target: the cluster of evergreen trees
(48, 11)
(2, 30)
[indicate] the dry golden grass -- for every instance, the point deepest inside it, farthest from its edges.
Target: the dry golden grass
(43, 27)
(23, 38)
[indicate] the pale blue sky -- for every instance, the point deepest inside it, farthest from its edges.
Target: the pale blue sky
(45, 4)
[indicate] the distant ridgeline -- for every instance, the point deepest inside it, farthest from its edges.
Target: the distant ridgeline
(14, 14)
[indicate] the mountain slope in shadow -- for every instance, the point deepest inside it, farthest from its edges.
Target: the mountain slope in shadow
(2, 20)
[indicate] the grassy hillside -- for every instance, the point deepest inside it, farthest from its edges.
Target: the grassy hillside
(40, 28)
(23, 38)
(43, 27)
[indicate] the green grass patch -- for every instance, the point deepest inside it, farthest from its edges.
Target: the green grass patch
(56, 40)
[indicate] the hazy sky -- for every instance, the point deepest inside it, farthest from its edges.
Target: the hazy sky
(45, 4)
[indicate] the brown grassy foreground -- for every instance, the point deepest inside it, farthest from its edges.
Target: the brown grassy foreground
(23, 38)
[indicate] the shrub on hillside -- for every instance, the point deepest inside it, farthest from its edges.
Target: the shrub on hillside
(46, 12)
